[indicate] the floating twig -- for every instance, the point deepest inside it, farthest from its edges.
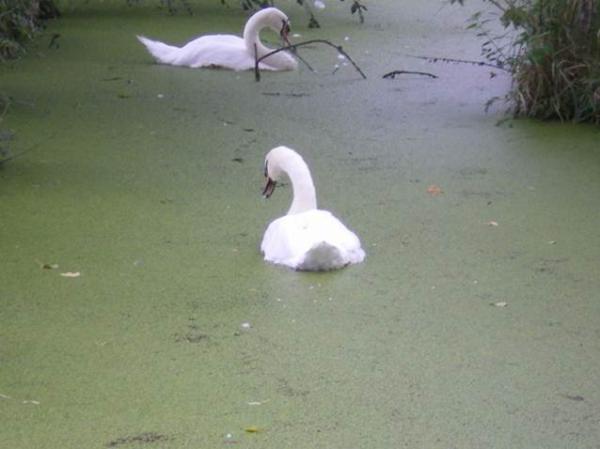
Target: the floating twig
(294, 47)
(458, 61)
(393, 74)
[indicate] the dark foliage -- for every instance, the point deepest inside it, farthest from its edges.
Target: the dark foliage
(552, 50)
(19, 22)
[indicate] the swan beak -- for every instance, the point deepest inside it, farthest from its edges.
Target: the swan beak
(269, 188)
(285, 31)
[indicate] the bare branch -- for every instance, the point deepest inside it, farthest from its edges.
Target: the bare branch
(293, 48)
(393, 74)
(459, 61)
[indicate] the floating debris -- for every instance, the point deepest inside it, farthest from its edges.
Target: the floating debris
(31, 401)
(146, 437)
(252, 429)
(574, 397)
(71, 274)
(434, 190)
(492, 223)
(500, 304)
(258, 402)
(246, 325)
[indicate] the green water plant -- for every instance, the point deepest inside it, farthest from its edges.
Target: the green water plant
(20, 20)
(551, 48)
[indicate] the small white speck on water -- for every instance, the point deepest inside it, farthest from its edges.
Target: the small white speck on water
(346, 38)
(246, 325)
(500, 304)
(160, 96)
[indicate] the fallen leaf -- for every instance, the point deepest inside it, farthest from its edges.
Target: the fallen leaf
(70, 274)
(50, 266)
(434, 190)
(252, 429)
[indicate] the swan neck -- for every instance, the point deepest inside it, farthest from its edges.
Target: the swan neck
(305, 197)
(252, 36)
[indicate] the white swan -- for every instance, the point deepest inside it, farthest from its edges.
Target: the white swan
(306, 238)
(229, 51)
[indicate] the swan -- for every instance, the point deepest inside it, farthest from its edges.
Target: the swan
(229, 51)
(307, 238)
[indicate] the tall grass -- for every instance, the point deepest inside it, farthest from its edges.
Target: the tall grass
(553, 56)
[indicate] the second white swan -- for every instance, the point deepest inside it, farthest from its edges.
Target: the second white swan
(307, 238)
(229, 51)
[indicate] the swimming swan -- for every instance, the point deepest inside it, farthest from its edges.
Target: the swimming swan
(229, 51)
(307, 238)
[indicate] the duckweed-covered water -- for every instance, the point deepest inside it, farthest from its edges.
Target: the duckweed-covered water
(473, 323)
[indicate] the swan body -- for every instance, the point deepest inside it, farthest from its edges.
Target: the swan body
(229, 51)
(307, 238)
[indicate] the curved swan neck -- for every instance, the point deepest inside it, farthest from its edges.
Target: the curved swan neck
(305, 197)
(251, 35)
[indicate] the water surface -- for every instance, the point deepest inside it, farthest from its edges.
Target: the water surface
(472, 323)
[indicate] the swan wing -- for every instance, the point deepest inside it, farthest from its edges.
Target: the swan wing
(219, 50)
(313, 240)
(216, 50)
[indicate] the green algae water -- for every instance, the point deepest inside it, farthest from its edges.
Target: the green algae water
(136, 310)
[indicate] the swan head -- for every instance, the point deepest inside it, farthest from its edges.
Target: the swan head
(279, 162)
(276, 20)
(283, 162)
(272, 172)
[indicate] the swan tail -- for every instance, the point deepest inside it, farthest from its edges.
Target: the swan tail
(162, 52)
(322, 257)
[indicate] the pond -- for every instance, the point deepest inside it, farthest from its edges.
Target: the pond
(136, 309)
